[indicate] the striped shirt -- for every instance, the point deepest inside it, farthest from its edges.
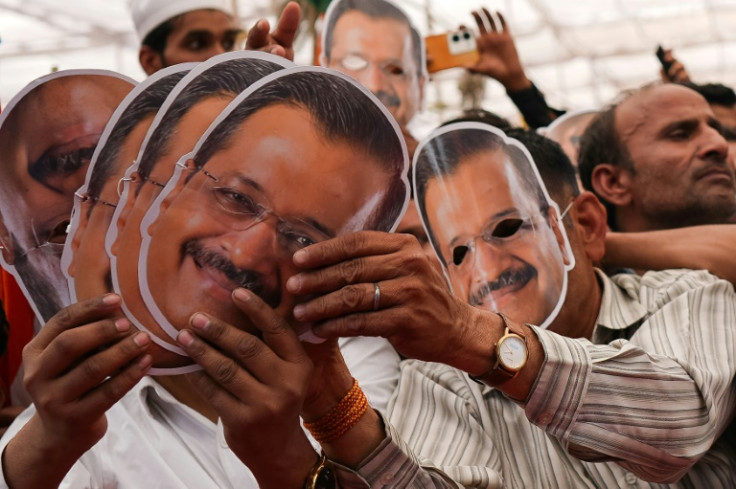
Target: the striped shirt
(650, 398)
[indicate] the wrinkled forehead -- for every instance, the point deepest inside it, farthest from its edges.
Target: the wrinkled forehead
(658, 106)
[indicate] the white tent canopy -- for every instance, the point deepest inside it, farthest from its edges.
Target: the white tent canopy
(580, 54)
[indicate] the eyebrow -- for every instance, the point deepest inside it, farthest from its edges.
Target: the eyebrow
(205, 32)
(690, 124)
(309, 220)
(493, 218)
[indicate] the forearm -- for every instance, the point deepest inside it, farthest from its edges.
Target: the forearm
(391, 465)
(30, 461)
(701, 247)
(583, 386)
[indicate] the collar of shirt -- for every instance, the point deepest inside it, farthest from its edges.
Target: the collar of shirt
(620, 304)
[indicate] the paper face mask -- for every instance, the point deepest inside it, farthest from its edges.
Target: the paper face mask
(84, 261)
(375, 43)
(48, 134)
(187, 112)
(492, 223)
(300, 157)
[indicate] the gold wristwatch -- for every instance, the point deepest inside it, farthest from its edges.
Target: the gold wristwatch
(509, 356)
(322, 475)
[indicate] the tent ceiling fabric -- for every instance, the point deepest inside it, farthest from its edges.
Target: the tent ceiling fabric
(580, 54)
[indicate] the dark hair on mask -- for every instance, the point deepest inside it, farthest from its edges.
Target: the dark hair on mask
(444, 154)
(146, 104)
(343, 113)
(225, 79)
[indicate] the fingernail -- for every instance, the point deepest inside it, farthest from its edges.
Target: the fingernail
(111, 299)
(142, 339)
(294, 284)
(299, 311)
(145, 362)
(185, 338)
(300, 256)
(122, 325)
(242, 295)
(200, 321)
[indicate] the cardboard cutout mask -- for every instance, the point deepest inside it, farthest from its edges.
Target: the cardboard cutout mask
(187, 112)
(48, 133)
(84, 261)
(375, 43)
(492, 223)
(304, 155)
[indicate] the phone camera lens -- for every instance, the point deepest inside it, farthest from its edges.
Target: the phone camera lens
(466, 36)
(455, 38)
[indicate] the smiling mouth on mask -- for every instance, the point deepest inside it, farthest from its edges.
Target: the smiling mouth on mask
(228, 275)
(513, 279)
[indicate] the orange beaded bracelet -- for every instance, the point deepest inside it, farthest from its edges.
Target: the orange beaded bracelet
(341, 418)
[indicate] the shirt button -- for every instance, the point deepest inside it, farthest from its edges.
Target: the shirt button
(631, 479)
(545, 419)
(387, 478)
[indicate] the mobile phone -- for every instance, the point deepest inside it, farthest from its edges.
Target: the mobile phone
(665, 63)
(450, 50)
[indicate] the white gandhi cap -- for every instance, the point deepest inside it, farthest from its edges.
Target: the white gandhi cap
(149, 14)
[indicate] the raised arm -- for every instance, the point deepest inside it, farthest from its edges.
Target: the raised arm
(261, 384)
(73, 377)
(499, 59)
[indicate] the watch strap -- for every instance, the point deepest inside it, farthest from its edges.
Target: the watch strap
(322, 475)
(498, 374)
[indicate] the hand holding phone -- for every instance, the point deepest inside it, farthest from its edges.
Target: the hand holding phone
(450, 50)
(666, 63)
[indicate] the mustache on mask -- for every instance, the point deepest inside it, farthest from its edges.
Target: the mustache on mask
(389, 100)
(240, 277)
(508, 277)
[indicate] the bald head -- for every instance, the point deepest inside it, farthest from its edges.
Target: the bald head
(658, 160)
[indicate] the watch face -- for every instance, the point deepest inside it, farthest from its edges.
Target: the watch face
(512, 352)
(325, 479)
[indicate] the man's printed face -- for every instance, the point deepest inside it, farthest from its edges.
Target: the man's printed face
(46, 149)
(90, 268)
(237, 222)
(379, 54)
(124, 236)
(503, 248)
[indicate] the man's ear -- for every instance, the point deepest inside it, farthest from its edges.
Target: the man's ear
(150, 60)
(589, 217)
(6, 243)
(612, 183)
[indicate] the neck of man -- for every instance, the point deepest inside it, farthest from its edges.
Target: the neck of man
(579, 313)
(183, 391)
(633, 221)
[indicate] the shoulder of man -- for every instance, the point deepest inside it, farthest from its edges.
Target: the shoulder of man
(656, 288)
